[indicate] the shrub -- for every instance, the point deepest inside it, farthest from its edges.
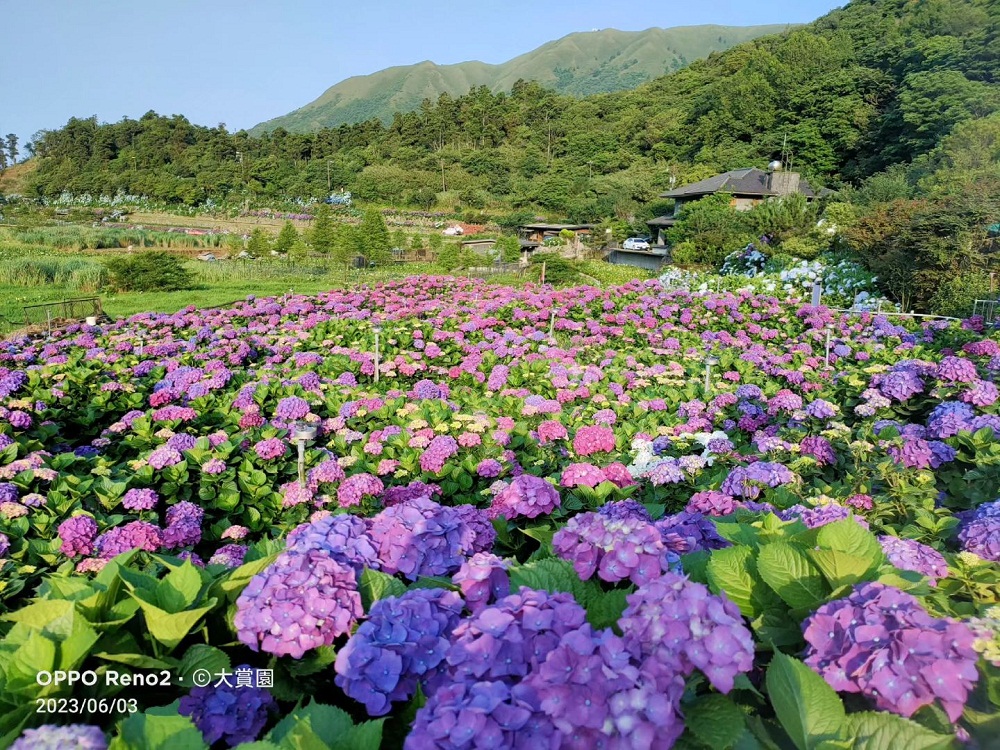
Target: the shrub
(558, 270)
(806, 247)
(152, 271)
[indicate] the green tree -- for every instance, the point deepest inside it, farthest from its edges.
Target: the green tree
(323, 233)
(12, 151)
(287, 237)
(375, 237)
(713, 227)
(259, 244)
(508, 249)
(150, 271)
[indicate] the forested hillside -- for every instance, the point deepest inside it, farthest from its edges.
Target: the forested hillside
(874, 84)
(580, 64)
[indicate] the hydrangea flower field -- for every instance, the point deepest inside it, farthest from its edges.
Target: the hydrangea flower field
(525, 518)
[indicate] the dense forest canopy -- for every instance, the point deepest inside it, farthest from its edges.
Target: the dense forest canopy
(868, 86)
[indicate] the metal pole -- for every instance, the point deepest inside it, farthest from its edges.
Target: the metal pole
(302, 462)
(817, 294)
(708, 379)
(552, 323)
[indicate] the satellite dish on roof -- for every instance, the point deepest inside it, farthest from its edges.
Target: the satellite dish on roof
(775, 166)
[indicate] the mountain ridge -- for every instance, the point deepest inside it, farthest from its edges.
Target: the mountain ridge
(580, 63)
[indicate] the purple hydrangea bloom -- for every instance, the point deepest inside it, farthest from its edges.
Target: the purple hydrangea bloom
(401, 493)
(689, 532)
(270, 448)
(983, 393)
(484, 714)
(820, 409)
(421, 538)
(427, 389)
(229, 713)
(749, 481)
(957, 370)
(182, 441)
(622, 509)
(403, 643)
(712, 503)
(8, 492)
(820, 449)
(909, 554)
(357, 486)
(327, 472)
(344, 537)
(163, 457)
(489, 468)
(65, 737)
(140, 499)
(300, 602)
(526, 495)
(437, 453)
(614, 549)
(820, 515)
(230, 555)
(77, 535)
(980, 534)
(214, 466)
(134, 535)
(292, 408)
(4, 544)
(684, 626)
(881, 642)
(900, 383)
(510, 638)
(482, 579)
(484, 535)
(949, 418)
(183, 525)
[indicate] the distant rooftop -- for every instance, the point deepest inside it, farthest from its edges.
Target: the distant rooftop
(740, 182)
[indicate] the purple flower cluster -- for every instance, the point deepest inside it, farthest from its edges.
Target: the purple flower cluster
(183, 525)
(230, 555)
(957, 370)
(163, 457)
(270, 449)
(421, 538)
(622, 509)
(614, 549)
(712, 503)
(292, 408)
(509, 639)
(526, 495)
(684, 626)
(820, 449)
(229, 713)
(65, 737)
(909, 554)
(482, 579)
(134, 535)
(749, 481)
(357, 486)
(437, 453)
(140, 499)
(901, 382)
(689, 532)
(77, 535)
(949, 418)
(980, 533)
(402, 643)
(881, 642)
(302, 601)
(821, 515)
(344, 537)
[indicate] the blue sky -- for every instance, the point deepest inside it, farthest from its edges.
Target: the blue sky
(244, 61)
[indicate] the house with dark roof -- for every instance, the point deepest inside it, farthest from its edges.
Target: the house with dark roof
(746, 188)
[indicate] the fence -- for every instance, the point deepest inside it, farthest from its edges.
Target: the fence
(65, 311)
(986, 309)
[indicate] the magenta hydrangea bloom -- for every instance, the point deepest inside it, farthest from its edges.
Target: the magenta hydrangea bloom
(980, 533)
(421, 538)
(328, 472)
(510, 638)
(355, 487)
(140, 499)
(712, 503)
(300, 602)
(593, 439)
(526, 495)
(909, 554)
(437, 453)
(77, 535)
(61, 737)
(957, 370)
(403, 643)
(582, 475)
(614, 549)
(482, 579)
(882, 643)
(678, 622)
(229, 713)
(270, 449)
(214, 466)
